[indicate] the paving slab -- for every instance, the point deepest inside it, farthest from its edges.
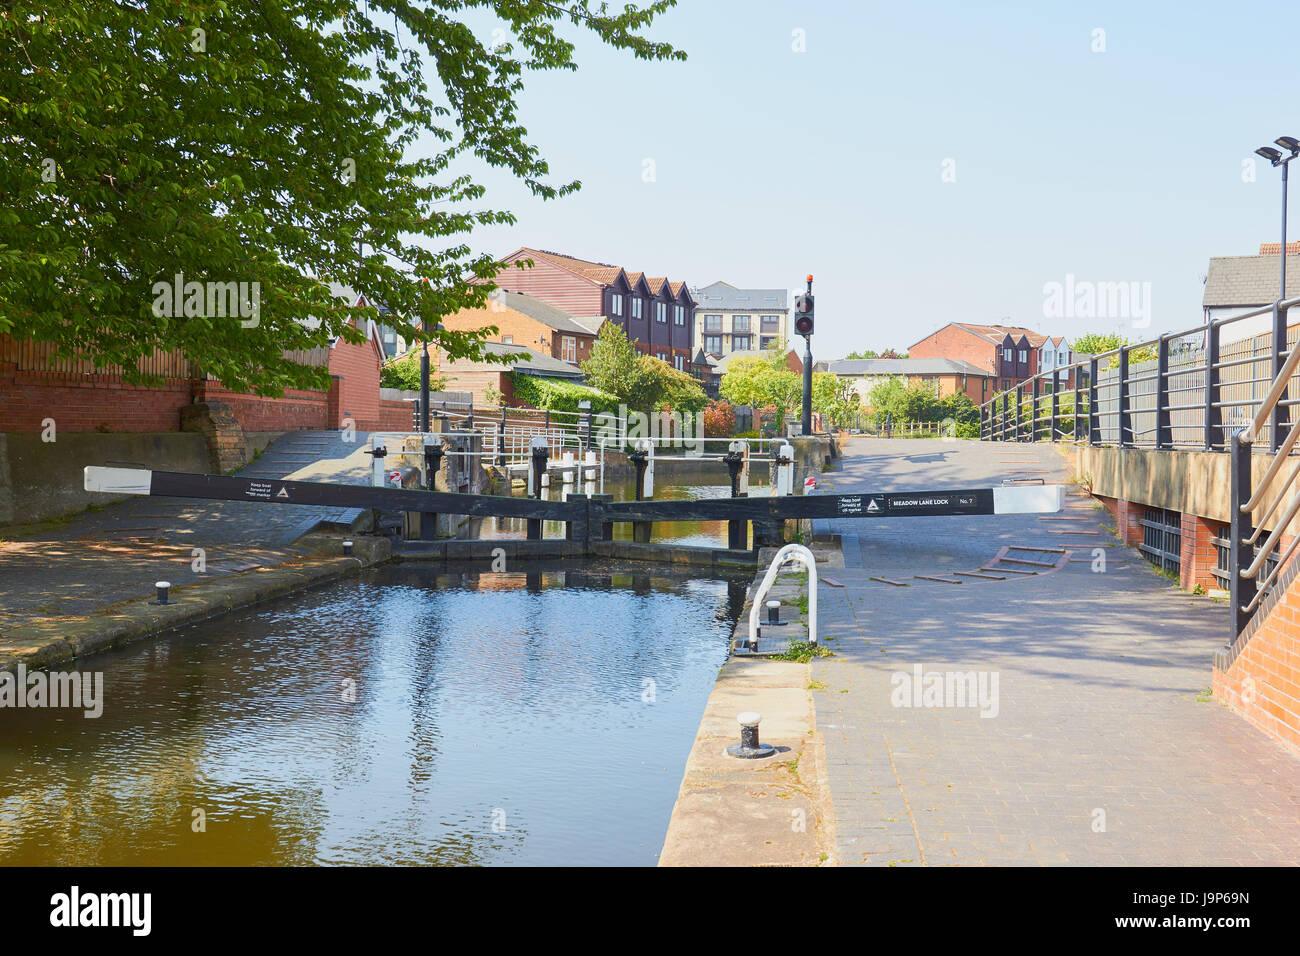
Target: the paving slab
(1099, 742)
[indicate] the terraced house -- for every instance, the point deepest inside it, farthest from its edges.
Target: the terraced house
(657, 313)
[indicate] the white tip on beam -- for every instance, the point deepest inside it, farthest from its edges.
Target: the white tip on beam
(1028, 499)
(117, 481)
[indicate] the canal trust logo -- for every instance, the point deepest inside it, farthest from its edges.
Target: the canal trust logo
(75, 909)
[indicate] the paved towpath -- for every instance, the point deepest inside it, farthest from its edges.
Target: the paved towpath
(99, 558)
(1102, 744)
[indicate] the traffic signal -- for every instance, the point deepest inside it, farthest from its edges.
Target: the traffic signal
(803, 314)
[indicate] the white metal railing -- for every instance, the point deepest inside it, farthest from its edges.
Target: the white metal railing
(791, 552)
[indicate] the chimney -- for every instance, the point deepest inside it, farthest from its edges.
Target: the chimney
(1271, 248)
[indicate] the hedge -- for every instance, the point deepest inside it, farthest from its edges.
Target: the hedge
(560, 394)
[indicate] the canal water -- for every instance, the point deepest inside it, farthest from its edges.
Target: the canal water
(410, 716)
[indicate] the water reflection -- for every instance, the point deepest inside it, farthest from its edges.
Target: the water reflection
(412, 716)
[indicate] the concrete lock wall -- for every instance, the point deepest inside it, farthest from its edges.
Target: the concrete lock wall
(41, 480)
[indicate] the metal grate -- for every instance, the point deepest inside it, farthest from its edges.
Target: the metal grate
(1162, 538)
(1223, 561)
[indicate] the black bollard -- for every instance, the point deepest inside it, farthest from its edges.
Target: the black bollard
(749, 748)
(162, 588)
(640, 461)
(540, 452)
(737, 532)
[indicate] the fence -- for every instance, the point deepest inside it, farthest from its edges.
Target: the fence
(1180, 390)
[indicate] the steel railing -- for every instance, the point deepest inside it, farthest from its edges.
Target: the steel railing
(1185, 389)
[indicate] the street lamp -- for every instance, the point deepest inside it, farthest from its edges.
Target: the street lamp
(1291, 145)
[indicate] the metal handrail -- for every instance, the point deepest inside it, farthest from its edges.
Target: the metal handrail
(778, 561)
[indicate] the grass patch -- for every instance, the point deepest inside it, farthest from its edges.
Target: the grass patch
(801, 652)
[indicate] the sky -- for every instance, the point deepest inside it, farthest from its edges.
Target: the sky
(927, 163)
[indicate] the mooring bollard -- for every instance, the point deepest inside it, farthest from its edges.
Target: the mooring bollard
(749, 748)
(737, 537)
(162, 588)
(640, 458)
(540, 452)
(773, 612)
(347, 549)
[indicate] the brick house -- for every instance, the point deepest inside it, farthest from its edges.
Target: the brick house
(487, 379)
(945, 376)
(523, 320)
(1010, 354)
(657, 314)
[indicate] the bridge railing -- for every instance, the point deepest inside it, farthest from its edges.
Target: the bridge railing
(1187, 389)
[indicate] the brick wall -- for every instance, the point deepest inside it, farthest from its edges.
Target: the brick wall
(954, 343)
(1258, 676)
(521, 329)
(87, 403)
(1198, 557)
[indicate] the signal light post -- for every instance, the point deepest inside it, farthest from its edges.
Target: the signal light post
(803, 325)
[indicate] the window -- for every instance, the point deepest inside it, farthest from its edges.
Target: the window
(662, 356)
(771, 323)
(616, 304)
(767, 342)
(1006, 355)
(636, 307)
(661, 311)
(713, 323)
(740, 323)
(507, 340)
(740, 343)
(679, 315)
(390, 337)
(679, 363)
(569, 348)
(713, 344)
(1024, 355)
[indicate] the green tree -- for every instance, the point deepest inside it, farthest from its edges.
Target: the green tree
(758, 382)
(1098, 343)
(641, 382)
(404, 373)
(286, 144)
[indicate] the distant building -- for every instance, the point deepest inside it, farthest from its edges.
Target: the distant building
(739, 320)
(1008, 354)
(523, 320)
(483, 378)
(945, 376)
(657, 314)
(1237, 284)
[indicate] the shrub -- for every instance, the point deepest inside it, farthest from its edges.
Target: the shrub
(719, 420)
(559, 394)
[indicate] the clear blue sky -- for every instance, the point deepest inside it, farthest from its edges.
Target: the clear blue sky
(1124, 165)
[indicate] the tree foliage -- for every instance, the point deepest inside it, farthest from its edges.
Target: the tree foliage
(641, 382)
(559, 394)
(287, 144)
(404, 372)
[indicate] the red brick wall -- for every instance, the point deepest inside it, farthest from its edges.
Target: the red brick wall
(87, 403)
(83, 403)
(1262, 683)
(953, 343)
(356, 371)
(255, 413)
(1198, 557)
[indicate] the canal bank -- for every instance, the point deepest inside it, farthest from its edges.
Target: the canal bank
(769, 811)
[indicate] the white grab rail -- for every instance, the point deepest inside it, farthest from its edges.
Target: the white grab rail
(805, 556)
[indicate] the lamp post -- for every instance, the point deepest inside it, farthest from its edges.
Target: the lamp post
(1292, 145)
